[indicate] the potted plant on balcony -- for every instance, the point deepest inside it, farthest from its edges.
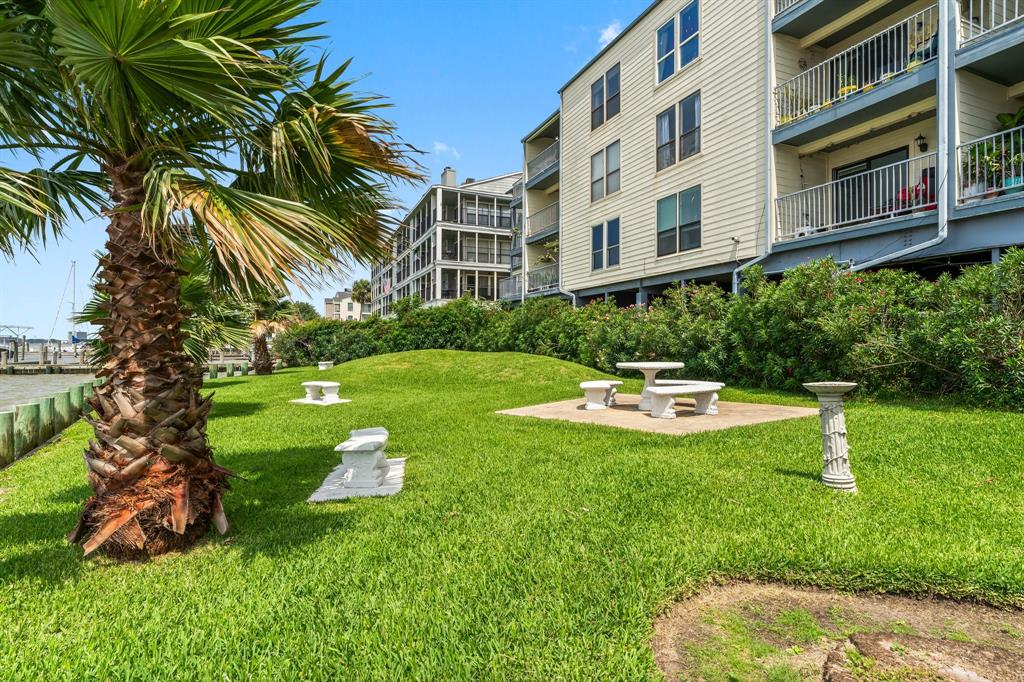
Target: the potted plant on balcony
(1014, 180)
(550, 254)
(975, 170)
(847, 85)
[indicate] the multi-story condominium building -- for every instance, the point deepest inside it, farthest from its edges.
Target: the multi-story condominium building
(457, 240)
(710, 135)
(342, 306)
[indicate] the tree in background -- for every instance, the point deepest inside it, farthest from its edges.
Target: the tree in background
(361, 292)
(305, 311)
(271, 316)
(191, 125)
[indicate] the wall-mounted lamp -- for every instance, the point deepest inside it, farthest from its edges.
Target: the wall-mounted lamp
(922, 143)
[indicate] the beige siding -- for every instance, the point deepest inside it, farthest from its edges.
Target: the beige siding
(730, 168)
(980, 101)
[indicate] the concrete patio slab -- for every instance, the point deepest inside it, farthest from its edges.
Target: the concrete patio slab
(625, 415)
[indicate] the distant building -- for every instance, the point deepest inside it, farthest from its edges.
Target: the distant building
(341, 306)
(457, 241)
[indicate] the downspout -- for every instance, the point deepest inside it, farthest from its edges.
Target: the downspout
(769, 157)
(948, 116)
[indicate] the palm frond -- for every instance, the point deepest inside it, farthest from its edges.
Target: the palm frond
(35, 205)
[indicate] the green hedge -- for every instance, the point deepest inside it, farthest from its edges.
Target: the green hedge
(891, 331)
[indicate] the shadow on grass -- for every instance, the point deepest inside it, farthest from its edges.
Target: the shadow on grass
(223, 409)
(50, 558)
(793, 473)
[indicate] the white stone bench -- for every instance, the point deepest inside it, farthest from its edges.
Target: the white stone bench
(321, 393)
(363, 454)
(704, 393)
(600, 395)
(327, 364)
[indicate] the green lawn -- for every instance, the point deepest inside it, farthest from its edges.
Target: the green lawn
(519, 549)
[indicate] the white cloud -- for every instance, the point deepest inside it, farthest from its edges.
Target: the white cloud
(445, 148)
(609, 32)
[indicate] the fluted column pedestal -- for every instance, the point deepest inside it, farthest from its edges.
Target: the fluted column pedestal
(836, 473)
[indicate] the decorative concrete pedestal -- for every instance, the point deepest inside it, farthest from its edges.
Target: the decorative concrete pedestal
(325, 365)
(836, 473)
(321, 393)
(364, 471)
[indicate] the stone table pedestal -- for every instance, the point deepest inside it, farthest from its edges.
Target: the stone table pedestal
(836, 473)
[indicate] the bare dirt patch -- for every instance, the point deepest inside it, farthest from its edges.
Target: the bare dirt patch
(747, 631)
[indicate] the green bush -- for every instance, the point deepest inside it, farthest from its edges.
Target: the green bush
(891, 331)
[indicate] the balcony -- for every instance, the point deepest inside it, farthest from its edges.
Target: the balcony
(517, 192)
(805, 19)
(542, 224)
(992, 166)
(542, 170)
(484, 216)
(544, 277)
(893, 191)
(510, 288)
(886, 72)
(992, 39)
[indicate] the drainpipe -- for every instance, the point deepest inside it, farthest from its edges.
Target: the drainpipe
(769, 157)
(948, 116)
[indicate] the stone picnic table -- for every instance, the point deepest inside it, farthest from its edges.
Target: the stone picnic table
(650, 371)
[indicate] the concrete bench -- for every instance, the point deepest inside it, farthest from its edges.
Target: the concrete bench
(363, 454)
(704, 393)
(327, 364)
(600, 395)
(321, 393)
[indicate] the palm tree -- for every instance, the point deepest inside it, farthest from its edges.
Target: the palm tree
(361, 291)
(192, 125)
(271, 317)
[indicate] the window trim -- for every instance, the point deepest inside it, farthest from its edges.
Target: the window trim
(677, 231)
(676, 51)
(605, 173)
(603, 252)
(700, 122)
(602, 84)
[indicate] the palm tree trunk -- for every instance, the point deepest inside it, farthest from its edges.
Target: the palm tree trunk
(156, 486)
(261, 360)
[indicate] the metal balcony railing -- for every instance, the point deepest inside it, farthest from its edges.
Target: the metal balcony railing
(896, 50)
(981, 17)
(511, 287)
(544, 277)
(540, 163)
(992, 165)
(886, 192)
(543, 219)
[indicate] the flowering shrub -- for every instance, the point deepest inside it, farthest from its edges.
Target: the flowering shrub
(891, 331)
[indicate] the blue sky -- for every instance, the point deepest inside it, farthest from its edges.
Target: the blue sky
(467, 80)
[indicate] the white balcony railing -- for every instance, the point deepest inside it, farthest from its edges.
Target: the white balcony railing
(992, 165)
(543, 219)
(886, 192)
(544, 277)
(540, 163)
(896, 50)
(980, 17)
(781, 5)
(510, 287)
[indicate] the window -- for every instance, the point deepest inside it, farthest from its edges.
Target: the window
(604, 245)
(666, 125)
(604, 97)
(689, 126)
(604, 172)
(612, 87)
(666, 50)
(350, 306)
(597, 176)
(597, 103)
(612, 242)
(674, 54)
(597, 247)
(679, 222)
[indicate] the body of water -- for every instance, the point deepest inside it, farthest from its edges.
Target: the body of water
(16, 389)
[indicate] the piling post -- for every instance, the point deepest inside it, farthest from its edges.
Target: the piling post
(63, 416)
(212, 370)
(46, 427)
(7, 453)
(76, 400)
(245, 369)
(26, 428)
